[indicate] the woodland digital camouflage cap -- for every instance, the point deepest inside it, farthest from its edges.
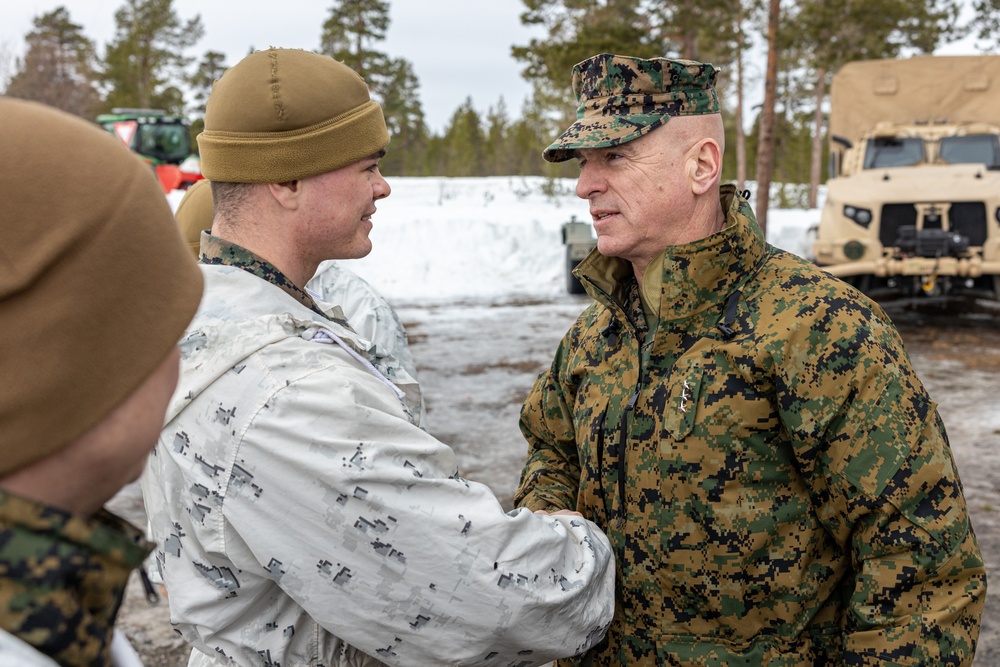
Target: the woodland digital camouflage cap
(621, 98)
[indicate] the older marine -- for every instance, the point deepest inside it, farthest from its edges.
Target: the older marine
(777, 485)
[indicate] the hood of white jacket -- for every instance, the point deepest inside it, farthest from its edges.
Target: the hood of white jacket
(241, 314)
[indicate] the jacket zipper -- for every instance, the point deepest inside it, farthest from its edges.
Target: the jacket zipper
(597, 468)
(622, 440)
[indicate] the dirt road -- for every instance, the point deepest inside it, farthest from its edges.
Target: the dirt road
(477, 361)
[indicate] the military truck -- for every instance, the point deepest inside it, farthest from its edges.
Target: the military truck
(913, 201)
(161, 140)
(578, 237)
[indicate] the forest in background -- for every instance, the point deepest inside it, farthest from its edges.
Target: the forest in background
(802, 42)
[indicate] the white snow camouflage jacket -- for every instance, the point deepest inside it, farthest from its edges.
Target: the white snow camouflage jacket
(302, 517)
(367, 311)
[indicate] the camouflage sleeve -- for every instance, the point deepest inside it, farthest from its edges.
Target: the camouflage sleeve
(551, 475)
(884, 483)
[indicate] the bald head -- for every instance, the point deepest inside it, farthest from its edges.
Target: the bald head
(686, 137)
(692, 148)
(709, 126)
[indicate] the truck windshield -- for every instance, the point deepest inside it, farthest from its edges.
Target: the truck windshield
(971, 149)
(166, 142)
(893, 152)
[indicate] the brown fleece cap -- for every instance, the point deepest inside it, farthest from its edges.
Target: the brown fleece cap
(284, 114)
(96, 284)
(194, 214)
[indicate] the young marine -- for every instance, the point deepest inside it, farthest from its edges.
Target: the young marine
(301, 515)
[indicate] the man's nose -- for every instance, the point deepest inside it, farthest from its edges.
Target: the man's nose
(381, 188)
(589, 182)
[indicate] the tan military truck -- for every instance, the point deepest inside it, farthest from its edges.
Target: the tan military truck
(913, 201)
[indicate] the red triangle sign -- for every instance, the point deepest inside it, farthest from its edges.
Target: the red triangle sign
(126, 130)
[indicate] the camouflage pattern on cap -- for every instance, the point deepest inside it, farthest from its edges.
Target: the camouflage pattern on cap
(622, 98)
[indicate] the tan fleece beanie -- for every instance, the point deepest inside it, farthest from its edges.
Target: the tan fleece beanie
(284, 114)
(195, 213)
(96, 284)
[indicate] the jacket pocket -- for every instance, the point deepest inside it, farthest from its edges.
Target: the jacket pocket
(681, 409)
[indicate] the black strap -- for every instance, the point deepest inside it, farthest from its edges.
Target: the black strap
(725, 325)
(151, 595)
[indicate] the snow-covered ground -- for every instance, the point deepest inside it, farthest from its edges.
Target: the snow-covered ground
(446, 239)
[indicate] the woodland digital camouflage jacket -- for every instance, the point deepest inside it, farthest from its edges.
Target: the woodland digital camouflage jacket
(62, 578)
(775, 481)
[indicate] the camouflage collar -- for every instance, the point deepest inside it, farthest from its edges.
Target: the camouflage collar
(697, 275)
(215, 250)
(64, 577)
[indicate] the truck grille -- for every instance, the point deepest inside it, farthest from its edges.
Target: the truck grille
(895, 216)
(968, 218)
(965, 218)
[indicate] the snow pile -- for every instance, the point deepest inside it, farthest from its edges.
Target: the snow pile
(445, 239)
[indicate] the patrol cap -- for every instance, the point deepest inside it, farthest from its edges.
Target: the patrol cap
(622, 98)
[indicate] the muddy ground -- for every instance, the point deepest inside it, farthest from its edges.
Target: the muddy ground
(477, 361)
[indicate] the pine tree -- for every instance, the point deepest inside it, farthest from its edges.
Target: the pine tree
(8, 62)
(349, 35)
(986, 23)
(463, 143)
(528, 136)
(496, 150)
(210, 68)
(404, 118)
(576, 30)
(147, 55)
(707, 30)
(351, 30)
(766, 140)
(58, 67)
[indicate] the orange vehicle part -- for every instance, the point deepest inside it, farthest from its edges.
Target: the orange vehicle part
(172, 178)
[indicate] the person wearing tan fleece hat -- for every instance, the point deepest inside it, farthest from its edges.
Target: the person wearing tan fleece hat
(96, 288)
(194, 214)
(301, 514)
(364, 307)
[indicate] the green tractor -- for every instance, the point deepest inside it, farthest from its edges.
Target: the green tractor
(161, 140)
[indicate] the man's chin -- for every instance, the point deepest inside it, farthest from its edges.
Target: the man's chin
(361, 250)
(606, 246)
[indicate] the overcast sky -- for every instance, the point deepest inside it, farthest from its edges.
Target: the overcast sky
(458, 48)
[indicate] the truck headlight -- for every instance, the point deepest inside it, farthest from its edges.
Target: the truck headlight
(862, 216)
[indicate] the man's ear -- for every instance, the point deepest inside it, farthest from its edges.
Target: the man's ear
(287, 194)
(704, 165)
